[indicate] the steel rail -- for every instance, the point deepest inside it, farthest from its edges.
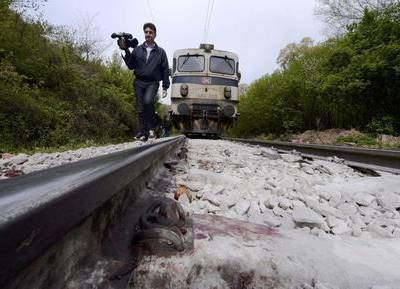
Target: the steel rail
(38, 209)
(375, 159)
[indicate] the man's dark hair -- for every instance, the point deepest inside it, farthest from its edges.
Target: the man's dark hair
(149, 25)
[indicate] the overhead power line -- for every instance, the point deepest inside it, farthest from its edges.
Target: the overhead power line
(207, 23)
(150, 11)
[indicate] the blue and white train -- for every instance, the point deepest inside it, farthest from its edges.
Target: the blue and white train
(205, 91)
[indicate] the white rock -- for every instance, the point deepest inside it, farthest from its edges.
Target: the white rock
(231, 200)
(242, 207)
(322, 234)
(363, 199)
(213, 209)
(278, 212)
(357, 232)
(287, 223)
(319, 285)
(270, 220)
(284, 203)
(367, 219)
(327, 195)
(335, 202)
(297, 203)
(303, 215)
(347, 209)
(305, 286)
(396, 233)
(358, 222)
(369, 212)
(332, 221)
(218, 190)
(261, 207)
(315, 231)
(271, 155)
(341, 228)
(378, 230)
(324, 226)
(322, 169)
(258, 153)
(305, 230)
(271, 202)
(199, 194)
(18, 160)
(39, 158)
(212, 199)
(270, 184)
(390, 228)
(308, 170)
(324, 209)
(195, 186)
(201, 204)
(388, 200)
(310, 201)
(291, 158)
(393, 214)
(254, 208)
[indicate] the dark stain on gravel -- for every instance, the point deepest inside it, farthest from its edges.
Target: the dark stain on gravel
(223, 226)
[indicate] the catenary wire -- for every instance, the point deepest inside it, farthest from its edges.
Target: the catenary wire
(210, 7)
(209, 19)
(150, 10)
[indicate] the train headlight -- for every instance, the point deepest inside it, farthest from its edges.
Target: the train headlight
(183, 109)
(184, 90)
(227, 92)
(229, 110)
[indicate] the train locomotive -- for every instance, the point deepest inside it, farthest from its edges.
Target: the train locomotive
(205, 91)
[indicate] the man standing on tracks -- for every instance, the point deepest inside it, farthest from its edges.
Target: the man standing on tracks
(150, 65)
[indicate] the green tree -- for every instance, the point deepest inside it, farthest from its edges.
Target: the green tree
(51, 95)
(345, 82)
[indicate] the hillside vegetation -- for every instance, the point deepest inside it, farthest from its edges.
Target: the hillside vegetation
(50, 95)
(351, 81)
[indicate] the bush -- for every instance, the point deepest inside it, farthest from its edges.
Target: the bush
(384, 125)
(348, 82)
(50, 96)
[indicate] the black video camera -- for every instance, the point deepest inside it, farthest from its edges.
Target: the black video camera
(126, 38)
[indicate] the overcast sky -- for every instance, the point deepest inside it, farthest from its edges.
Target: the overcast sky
(254, 29)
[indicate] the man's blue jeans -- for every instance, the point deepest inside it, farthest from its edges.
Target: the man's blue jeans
(145, 99)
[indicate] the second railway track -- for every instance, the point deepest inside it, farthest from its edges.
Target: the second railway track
(375, 159)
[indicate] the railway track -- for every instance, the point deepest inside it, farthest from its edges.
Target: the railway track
(39, 210)
(51, 219)
(375, 159)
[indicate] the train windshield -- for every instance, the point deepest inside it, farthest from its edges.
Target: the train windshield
(191, 63)
(223, 65)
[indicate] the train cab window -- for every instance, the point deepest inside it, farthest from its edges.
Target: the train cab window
(223, 65)
(191, 63)
(174, 65)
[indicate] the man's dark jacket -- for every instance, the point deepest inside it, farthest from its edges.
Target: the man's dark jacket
(155, 69)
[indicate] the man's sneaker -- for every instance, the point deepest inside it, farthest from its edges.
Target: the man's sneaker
(141, 136)
(152, 134)
(138, 135)
(144, 138)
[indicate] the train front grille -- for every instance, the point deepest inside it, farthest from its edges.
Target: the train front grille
(211, 110)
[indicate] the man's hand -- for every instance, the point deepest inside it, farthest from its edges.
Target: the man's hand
(164, 93)
(122, 44)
